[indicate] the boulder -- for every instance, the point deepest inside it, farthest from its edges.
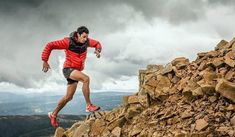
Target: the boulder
(226, 89)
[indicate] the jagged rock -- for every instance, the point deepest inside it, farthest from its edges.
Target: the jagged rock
(59, 132)
(83, 129)
(201, 124)
(229, 61)
(133, 111)
(167, 69)
(118, 122)
(233, 120)
(142, 73)
(97, 127)
(144, 100)
(180, 62)
(218, 62)
(116, 131)
(230, 75)
(71, 130)
(221, 45)
(133, 99)
(226, 89)
(135, 131)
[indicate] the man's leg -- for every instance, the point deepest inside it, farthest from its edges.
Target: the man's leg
(78, 75)
(71, 88)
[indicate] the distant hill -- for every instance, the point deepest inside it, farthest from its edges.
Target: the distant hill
(41, 104)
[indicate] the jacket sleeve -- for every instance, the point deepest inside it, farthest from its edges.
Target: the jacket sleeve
(58, 44)
(95, 44)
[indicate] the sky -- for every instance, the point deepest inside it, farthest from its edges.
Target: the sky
(133, 34)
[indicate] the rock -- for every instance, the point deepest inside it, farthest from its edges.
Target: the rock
(116, 131)
(153, 67)
(135, 131)
(221, 45)
(142, 74)
(118, 122)
(151, 80)
(144, 100)
(226, 89)
(149, 90)
(233, 120)
(212, 99)
(180, 62)
(125, 100)
(133, 99)
(71, 130)
(97, 127)
(186, 114)
(83, 129)
(59, 132)
(229, 61)
(230, 75)
(133, 111)
(218, 62)
(167, 69)
(201, 124)
(213, 54)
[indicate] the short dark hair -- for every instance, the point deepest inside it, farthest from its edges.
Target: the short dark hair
(82, 29)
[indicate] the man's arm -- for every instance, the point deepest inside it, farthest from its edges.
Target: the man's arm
(95, 44)
(58, 44)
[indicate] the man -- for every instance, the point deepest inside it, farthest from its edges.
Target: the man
(75, 47)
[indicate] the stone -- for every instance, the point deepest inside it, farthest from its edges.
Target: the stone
(97, 127)
(201, 124)
(233, 120)
(116, 131)
(154, 67)
(167, 69)
(133, 99)
(125, 100)
(229, 61)
(71, 130)
(133, 111)
(186, 114)
(221, 45)
(213, 54)
(118, 122)
(230, 75)
(144, 100)
(83, 129)
(180, 62)
(231, 55)
(226, 89)
(151, 80)
(149, 90)
(59, 132)
(218, 62)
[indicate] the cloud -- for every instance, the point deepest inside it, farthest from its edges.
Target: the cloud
(133, 33)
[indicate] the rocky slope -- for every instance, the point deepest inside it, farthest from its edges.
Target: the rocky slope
(182, 99)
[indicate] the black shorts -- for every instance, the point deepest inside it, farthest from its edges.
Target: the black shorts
(67, 72)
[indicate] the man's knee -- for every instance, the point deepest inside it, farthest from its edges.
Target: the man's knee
(86, 79)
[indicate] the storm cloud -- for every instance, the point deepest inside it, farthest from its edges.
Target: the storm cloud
(133, 34)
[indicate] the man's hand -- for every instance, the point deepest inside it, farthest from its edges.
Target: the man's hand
(97, 52)
(45, 66)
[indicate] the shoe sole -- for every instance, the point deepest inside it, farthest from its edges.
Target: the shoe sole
(92, 111)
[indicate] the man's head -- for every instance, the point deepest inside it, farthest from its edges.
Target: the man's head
(82, 33)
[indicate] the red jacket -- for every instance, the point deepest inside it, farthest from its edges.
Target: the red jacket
(75, 58)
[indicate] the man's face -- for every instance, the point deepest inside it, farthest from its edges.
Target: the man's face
(83, 37)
